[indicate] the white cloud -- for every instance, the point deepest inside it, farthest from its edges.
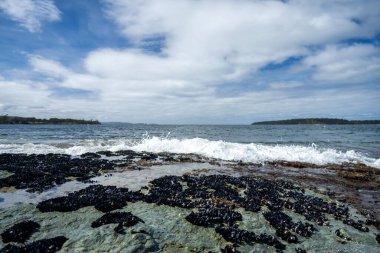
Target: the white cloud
(346, 64)
(48, 67)
(225, 41)
(30, 13)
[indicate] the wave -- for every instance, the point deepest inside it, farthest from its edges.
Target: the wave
(252, 152)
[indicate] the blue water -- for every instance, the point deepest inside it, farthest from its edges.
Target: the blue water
(362, 139)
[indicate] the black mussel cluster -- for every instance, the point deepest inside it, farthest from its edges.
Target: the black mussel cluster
(20, 232)
(374, 223)
(104, 198)
(41, 172)
(359, 225)
(211, 216)
(314, 208)
(238, 236)
(378, 238)
(285, 226)
(168, 190)
(123, 219)
(46, 245)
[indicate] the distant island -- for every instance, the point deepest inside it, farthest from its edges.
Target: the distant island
(31, 120)
(314, 121)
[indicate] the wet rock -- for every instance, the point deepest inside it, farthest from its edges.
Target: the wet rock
(20, 232)
(104, 198)
(342, 234)
(46, 245)
(217, 199)
(124, 219)
(210, 217)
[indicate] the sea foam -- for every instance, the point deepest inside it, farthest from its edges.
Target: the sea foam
(251, 152)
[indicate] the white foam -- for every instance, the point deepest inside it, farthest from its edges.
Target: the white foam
(254, 152)
(215, 149)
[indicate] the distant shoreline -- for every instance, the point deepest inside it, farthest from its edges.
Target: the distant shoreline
(15, 120)
(317, 121)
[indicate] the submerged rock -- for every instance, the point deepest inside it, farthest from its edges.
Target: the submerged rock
(46, 245)
(20, 232)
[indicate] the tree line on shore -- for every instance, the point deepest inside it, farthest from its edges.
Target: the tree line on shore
(32, 120)
(313, 121)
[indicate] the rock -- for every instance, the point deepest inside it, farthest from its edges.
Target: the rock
(20, 232)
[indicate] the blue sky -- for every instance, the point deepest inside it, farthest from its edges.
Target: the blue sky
(186, 61)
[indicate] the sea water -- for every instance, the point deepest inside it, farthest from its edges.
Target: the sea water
(319, 144)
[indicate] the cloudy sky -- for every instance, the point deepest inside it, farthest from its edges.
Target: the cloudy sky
(190, 61)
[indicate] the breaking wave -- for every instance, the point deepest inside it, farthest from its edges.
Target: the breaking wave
(251, 152)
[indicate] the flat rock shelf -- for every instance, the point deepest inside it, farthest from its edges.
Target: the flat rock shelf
(130, 201)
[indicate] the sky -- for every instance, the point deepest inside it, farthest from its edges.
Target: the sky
(190, 61)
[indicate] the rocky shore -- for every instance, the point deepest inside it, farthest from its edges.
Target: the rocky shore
(146, 202)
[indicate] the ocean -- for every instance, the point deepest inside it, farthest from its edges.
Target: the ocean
(319, 144)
